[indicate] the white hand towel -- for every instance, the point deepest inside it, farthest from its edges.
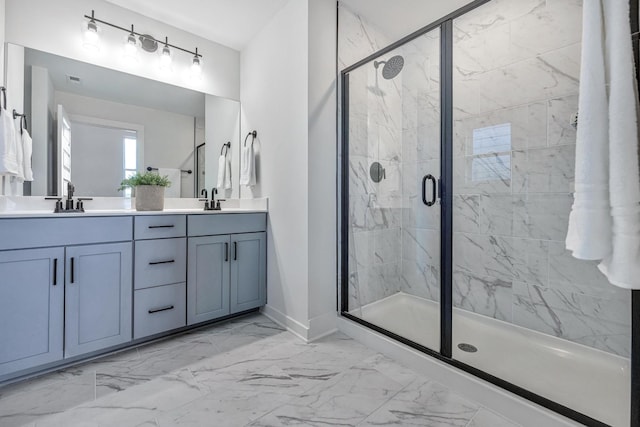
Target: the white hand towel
(222, 171)
(589, 234)
(227, 176)
(248, 165)
(622, 266)
(27, 147)
(8, 146)
(175, 177)
(19, 177)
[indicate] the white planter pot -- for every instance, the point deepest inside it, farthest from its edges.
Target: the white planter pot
(149, 198)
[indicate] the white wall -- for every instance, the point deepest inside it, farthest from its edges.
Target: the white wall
(274, 82)
(55, 27)
(322, 165)
(288, 96)
(168, 137)
(2, 25)
(14, 82)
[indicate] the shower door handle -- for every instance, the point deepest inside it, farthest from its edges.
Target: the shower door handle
(424, 190)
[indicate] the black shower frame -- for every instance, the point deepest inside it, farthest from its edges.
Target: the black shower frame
(446, 195)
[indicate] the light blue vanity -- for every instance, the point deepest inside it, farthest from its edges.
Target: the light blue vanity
(75, 286)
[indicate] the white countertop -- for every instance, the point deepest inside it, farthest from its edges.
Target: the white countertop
(37, 207)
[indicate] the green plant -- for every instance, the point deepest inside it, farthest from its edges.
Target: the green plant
(147, 178)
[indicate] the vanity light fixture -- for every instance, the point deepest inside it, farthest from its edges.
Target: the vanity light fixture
(91, 41)
(90, 36)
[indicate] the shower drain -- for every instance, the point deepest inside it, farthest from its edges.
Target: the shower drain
(467, 347)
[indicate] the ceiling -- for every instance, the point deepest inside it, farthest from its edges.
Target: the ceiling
(234, 23)
(231, 23)
(398, 18)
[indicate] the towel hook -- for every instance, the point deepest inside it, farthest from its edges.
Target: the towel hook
(23, 119)
(252, 133)
(228, 146)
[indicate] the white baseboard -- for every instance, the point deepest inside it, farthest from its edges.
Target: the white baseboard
(508, 404)
(287, 322)
(323, 325)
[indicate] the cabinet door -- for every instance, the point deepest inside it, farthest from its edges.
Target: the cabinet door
(207, 278)
(31, 308)
(248, 271)
(98, 297)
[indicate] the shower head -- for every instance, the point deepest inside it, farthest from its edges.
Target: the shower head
(392, 67)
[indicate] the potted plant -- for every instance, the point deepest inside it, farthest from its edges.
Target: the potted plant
(149, 190)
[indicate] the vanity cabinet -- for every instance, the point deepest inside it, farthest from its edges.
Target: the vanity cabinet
(31, 308)
(226, 270)
(98, 290)
(74, 286)
(160, 274)
(65, 288)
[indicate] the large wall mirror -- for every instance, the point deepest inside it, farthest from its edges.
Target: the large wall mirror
(117, 124)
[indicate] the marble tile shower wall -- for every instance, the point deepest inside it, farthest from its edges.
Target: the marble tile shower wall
(516, 71)
(516, 63)
(375, 135)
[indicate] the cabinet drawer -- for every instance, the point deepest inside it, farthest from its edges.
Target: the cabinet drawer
(208, 225)
(20, 233)
(160, 226)
(160, 262)
(159, 309)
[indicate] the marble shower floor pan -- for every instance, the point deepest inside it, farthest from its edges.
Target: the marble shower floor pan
(246, 371)
(587, 380)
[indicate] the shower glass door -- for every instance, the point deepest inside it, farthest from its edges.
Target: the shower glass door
(525, 310)
(392, 115)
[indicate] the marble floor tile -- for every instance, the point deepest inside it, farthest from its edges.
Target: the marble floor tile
(245, 372)
(424, 403)
(485, 418)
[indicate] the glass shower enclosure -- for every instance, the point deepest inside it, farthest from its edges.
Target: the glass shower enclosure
(458, 152)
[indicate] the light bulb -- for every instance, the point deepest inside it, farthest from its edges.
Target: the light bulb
(131, 49)
(165, 59)
(91, 38)
(196, 68)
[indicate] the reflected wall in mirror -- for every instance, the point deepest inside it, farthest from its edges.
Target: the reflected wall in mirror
(119, 124)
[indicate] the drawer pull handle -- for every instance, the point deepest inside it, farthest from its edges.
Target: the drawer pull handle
(162, 262)
(162, 226)
(156, 310)
(235, 251)
(73, 270)
(55, 271)
(226, 252)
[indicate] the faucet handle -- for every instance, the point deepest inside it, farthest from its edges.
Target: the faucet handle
(80, 204)
(58, 207)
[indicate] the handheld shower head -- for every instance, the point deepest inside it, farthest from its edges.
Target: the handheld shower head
(392, 67)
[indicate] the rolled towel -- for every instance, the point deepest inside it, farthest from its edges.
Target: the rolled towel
(622, 265)
(589, 233)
